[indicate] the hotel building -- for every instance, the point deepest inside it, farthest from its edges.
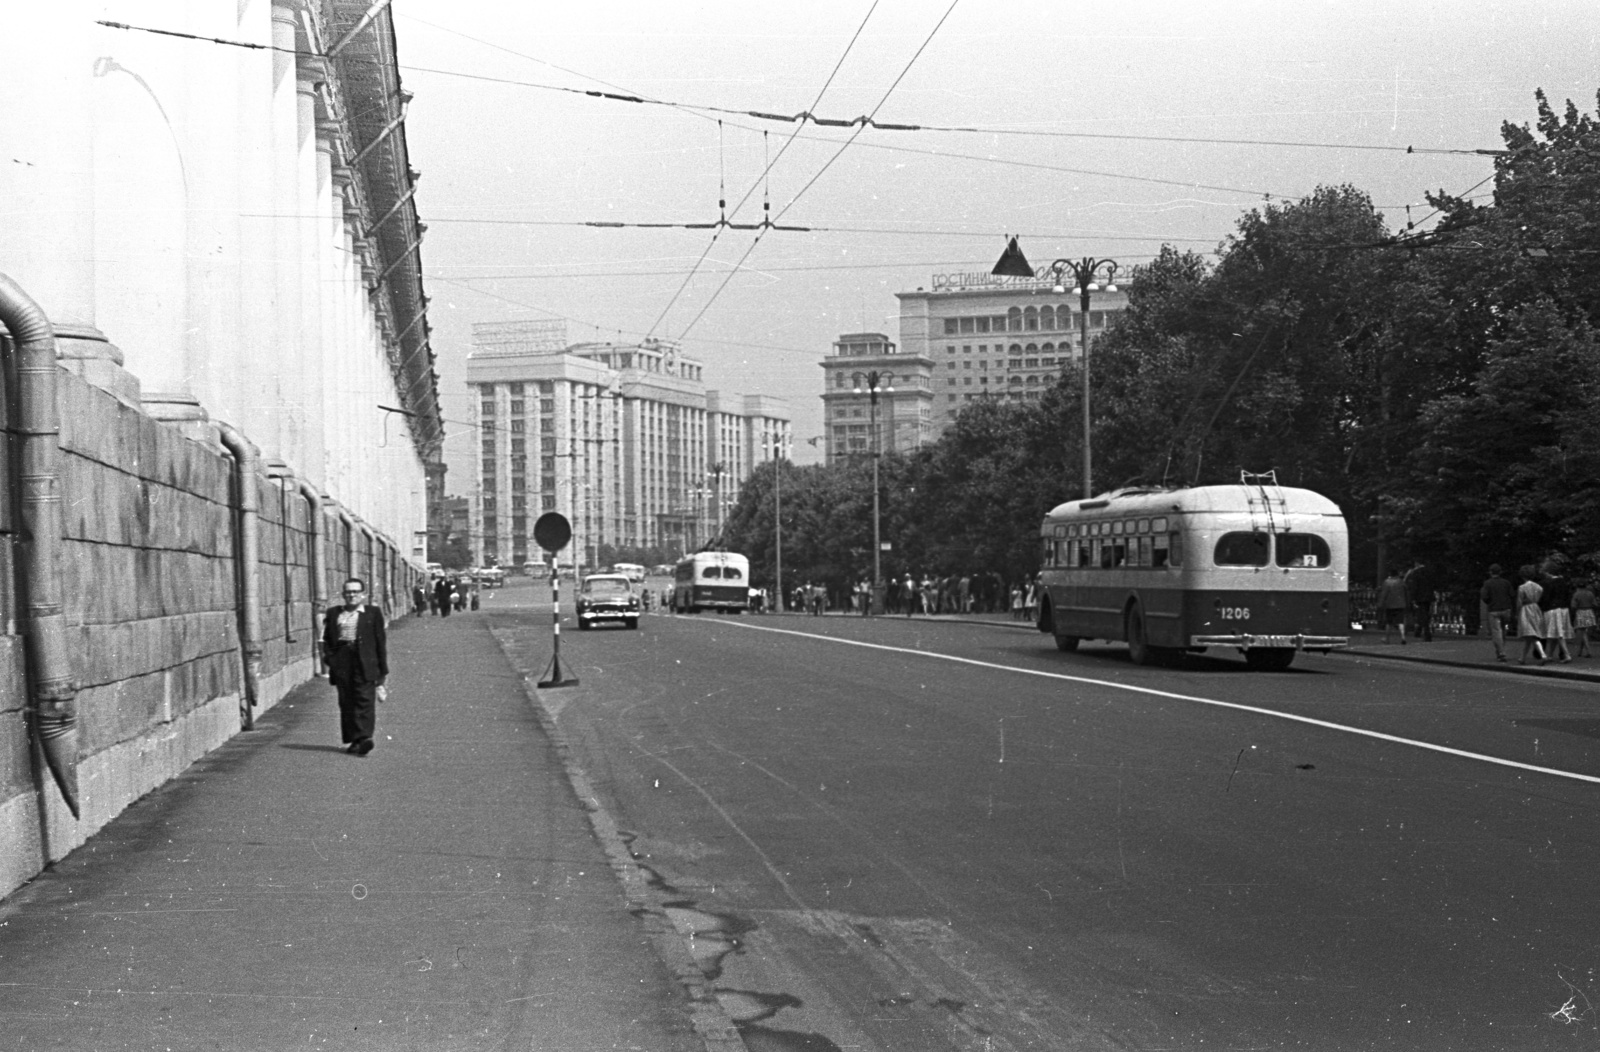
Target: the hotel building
(973, 336)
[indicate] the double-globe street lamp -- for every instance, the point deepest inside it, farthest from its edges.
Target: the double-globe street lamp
(1013, 263)
(875, 380)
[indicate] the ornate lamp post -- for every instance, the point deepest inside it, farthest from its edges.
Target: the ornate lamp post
(875, 381)
(1013, 263)
(777, 518)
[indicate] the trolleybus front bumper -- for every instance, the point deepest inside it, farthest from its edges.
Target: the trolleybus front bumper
(1245, 641)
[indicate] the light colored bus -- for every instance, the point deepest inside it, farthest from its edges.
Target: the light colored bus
(711, 581)
(632, 571)
(1256, 566)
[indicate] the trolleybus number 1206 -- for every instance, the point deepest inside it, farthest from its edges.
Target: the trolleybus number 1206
(1257, 566)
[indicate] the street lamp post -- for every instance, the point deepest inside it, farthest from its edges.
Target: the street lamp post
(1013, 263)
(875, 381)
(1084, 272)
(777, 518)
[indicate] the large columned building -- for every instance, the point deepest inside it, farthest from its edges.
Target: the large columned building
(622, 439)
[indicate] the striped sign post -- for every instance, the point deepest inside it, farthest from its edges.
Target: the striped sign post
(552, 532)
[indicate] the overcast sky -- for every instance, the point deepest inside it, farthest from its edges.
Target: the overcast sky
(512, 167)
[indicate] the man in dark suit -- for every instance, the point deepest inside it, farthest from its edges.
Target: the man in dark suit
(355, 649)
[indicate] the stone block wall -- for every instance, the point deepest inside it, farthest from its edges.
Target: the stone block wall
(152, 591)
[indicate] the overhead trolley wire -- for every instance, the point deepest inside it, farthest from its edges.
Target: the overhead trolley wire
(622, 95)
(765, 170)
(611, 328)
(812, 181)
(803, 117)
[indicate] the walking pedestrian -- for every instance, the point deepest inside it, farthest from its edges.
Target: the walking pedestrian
(355, 649)
(1583, 620)
(1499, 598)
(1420, 587)
(1392, 606)
(419, 600)
(1530, 620)
(1556, 604)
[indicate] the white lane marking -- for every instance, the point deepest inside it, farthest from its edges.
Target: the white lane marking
(1151, 691)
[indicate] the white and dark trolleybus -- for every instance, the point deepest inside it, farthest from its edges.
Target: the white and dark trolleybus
(711, 581)
(1256, 566)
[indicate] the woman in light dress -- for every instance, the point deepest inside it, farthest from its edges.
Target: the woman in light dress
(1530, 621)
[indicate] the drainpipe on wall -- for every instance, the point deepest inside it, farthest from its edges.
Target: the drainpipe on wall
(319, 569)
(246, 461)
(36, 422)
(349, 540)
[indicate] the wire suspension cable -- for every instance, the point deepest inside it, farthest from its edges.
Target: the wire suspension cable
(829, 164)
(825, 84)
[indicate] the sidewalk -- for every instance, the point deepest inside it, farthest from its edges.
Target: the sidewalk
(445, 892)
(1473, 652)
(1443, 650)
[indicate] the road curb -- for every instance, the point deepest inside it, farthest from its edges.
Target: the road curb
(1508, 667)
(706, 1014)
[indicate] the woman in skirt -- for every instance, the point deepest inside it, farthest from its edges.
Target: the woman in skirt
(1583, 616)
(1530, 620)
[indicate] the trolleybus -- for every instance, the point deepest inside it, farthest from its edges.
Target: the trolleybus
(711, 581)
(1256, 566)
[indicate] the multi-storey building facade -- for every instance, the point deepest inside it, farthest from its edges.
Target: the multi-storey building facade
(904, 410)
(993, 337)
(623, 440)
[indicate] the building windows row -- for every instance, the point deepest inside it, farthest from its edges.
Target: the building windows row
(1030, 319)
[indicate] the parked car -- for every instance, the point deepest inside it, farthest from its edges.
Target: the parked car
(607, 597)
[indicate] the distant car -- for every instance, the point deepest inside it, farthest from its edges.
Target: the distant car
(607, 597)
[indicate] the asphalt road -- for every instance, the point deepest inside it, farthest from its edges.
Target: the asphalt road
(902, 834)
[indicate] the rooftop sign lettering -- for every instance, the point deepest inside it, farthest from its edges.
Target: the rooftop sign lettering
(981, 279)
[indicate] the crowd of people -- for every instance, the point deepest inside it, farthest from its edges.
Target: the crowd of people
(447, 593)
(907, 594)
(1546, 608)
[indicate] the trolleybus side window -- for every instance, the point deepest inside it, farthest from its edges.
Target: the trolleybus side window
(1242, 549)
(1303, 549)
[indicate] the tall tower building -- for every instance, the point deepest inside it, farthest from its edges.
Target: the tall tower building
(904, 410)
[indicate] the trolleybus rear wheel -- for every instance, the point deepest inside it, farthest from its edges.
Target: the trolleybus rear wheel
(1067, 643)
(1139, 649)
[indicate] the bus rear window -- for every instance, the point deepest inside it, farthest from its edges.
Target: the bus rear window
(714, 572)
(1242, 549)
(1303, 549)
